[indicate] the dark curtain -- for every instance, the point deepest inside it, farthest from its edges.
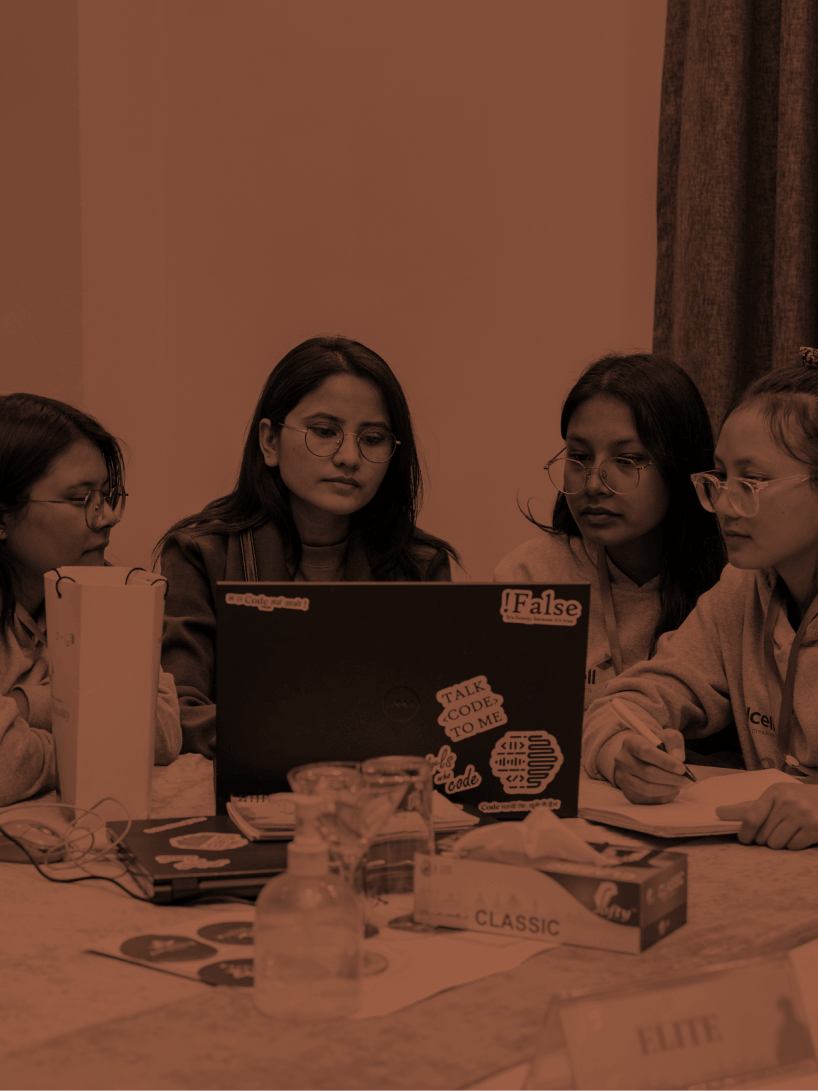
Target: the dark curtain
(737, 269)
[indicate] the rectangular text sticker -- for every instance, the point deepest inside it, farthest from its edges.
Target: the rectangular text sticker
(469, 708)
(527, 609)
(267, 602)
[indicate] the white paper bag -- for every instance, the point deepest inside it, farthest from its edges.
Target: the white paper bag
(104, 637)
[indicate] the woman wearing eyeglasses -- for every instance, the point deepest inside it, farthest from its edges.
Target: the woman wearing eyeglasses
(626, 517)
(61, 493)
(749, 650)
(328, 489)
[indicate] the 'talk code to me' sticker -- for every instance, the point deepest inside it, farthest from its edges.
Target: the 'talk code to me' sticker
(469, 708)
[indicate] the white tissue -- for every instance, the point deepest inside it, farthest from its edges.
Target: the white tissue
(540, 834)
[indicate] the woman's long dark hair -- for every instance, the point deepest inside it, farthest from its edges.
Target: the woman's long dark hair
(672, 422)
(34, 431)
(387, 524)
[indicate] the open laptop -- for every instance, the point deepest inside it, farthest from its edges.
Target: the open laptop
(485, 680)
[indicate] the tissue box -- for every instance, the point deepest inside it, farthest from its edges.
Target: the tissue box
(626, 906)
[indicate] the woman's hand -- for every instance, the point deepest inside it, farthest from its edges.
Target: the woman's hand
(783, 817)
(645, 773)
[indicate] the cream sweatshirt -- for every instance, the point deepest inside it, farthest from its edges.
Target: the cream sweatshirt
(711, 671)
(27, 760)
(556, 558)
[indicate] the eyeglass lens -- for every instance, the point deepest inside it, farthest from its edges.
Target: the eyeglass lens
(95, 506)
(742, 496)
(375, 444)
(569, 476)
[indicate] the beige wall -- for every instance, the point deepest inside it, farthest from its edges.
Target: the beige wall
(467, 186)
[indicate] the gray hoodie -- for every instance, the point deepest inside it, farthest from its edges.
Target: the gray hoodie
(711, 671)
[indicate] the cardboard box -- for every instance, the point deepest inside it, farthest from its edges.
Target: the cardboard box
(625, 907)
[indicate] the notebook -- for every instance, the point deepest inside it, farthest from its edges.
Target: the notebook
(484, 680)
(691, 814)
(179, 859)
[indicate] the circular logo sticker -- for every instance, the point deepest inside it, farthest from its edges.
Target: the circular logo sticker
(233, 971)
(401, 704)
(239, 933)
(166, 949)
(525, 761)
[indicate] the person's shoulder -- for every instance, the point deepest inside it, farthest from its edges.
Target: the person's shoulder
(547, 557)
(431, 557)
(200, 542)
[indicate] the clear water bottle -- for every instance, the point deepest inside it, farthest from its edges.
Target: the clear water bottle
(308, 931)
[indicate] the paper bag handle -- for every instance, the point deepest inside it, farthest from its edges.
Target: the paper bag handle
(164, 579)
(60, 577)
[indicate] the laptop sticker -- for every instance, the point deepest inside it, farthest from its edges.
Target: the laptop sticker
(470, 708)
(522, 606)
(444, 775)
(525, 761)
(267, 602)
(209, 842)
(188, 863)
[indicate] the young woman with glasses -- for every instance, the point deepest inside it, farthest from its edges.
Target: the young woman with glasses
(749, 650)
(626, 517)
(61, 493)
(329, 489)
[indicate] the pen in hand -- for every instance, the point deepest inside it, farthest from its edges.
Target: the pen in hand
(635, 724)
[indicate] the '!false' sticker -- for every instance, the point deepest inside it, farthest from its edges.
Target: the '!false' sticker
(189, 863)
(525, 608)
(469, 708)
(525, 761)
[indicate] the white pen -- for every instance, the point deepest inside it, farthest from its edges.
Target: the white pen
(635, 724)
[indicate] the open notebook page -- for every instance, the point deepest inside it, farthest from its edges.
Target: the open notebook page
(692, 813)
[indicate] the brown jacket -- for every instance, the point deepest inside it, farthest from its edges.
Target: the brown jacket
(194, 564)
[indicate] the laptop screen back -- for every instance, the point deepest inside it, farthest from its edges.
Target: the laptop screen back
(485, 680)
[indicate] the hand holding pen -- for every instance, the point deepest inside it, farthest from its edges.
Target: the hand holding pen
(649, 765)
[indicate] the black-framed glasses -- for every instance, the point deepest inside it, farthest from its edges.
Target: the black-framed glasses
(94, 503)
(569, 475)
(742, 492)
(323, 440)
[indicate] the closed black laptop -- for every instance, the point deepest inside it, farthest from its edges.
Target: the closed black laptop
(180, 859)
(487, 680)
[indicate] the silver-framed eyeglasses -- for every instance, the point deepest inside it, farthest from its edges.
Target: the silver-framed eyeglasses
(323, 440)
(569, 475)
(94, 503)
(742, 492)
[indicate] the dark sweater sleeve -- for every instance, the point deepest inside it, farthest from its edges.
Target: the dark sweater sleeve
(189, 642)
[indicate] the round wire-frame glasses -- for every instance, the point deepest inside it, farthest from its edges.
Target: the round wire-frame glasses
(619, 475)
(94, 503)
(742, 492)
(323, 440)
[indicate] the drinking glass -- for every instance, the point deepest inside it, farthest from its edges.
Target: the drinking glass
(390, 864)
(358, 807)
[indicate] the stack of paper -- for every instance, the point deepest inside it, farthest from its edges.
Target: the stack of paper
(691, 814)
(272, 817)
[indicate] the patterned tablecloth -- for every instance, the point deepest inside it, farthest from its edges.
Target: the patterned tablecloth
(71, 1020)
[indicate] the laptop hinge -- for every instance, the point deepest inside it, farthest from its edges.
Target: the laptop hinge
(183, 888)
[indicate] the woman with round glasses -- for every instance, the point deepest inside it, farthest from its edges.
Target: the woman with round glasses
(626, 517)
(61, 493)
(749, 650)
(329, 489)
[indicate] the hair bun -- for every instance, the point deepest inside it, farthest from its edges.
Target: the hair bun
(809, 356)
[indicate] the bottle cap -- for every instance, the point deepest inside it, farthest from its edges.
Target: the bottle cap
(307, 853)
